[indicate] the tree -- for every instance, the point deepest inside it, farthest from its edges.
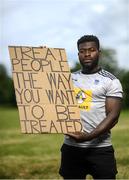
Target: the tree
(7, 94)
(125, 84)
(108, 61)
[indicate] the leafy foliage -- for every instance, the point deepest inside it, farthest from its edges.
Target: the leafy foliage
(7, 94)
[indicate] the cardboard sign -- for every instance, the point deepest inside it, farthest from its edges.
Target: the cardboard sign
(44, 90)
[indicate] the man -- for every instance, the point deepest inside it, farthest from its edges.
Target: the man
(99, 97)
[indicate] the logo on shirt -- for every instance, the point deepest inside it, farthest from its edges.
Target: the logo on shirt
(96, 81)
(84, 98)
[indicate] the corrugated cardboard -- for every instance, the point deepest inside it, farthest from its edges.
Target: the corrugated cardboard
(44, 90)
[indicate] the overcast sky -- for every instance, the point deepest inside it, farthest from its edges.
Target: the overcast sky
(59, 23)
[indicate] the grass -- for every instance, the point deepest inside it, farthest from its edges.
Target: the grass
(120, 139)
(38, 156)
(26, 156)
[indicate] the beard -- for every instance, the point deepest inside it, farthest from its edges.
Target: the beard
(88, 67)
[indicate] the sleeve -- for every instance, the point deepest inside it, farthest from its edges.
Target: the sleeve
(114, 89)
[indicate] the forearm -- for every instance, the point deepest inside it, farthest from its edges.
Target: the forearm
(113, 108)
(104, 126)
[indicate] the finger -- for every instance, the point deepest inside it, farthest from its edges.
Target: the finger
(68, 134)
(73, 135)
(43, 46)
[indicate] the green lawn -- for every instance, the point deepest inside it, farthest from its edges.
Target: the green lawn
(38, 156)
(120, 139)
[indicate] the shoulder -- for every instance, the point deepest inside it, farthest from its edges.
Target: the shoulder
(75, 75)
(106, 74)
(111, 83)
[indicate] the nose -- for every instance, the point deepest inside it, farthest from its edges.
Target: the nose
(87, 53)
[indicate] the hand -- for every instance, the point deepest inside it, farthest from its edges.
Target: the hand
(43, 46)
(80, 136)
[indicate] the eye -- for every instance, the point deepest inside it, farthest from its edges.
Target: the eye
(81, 51)
(92, 49)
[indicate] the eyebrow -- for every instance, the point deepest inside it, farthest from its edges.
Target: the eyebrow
(87, 48)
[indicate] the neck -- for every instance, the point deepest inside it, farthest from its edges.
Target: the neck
(86, 70)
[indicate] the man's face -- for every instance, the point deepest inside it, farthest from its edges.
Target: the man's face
(88, 55)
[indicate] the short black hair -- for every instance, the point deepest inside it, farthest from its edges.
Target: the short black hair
(88, 38)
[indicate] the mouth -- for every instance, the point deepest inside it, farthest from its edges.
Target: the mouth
(87, 61)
